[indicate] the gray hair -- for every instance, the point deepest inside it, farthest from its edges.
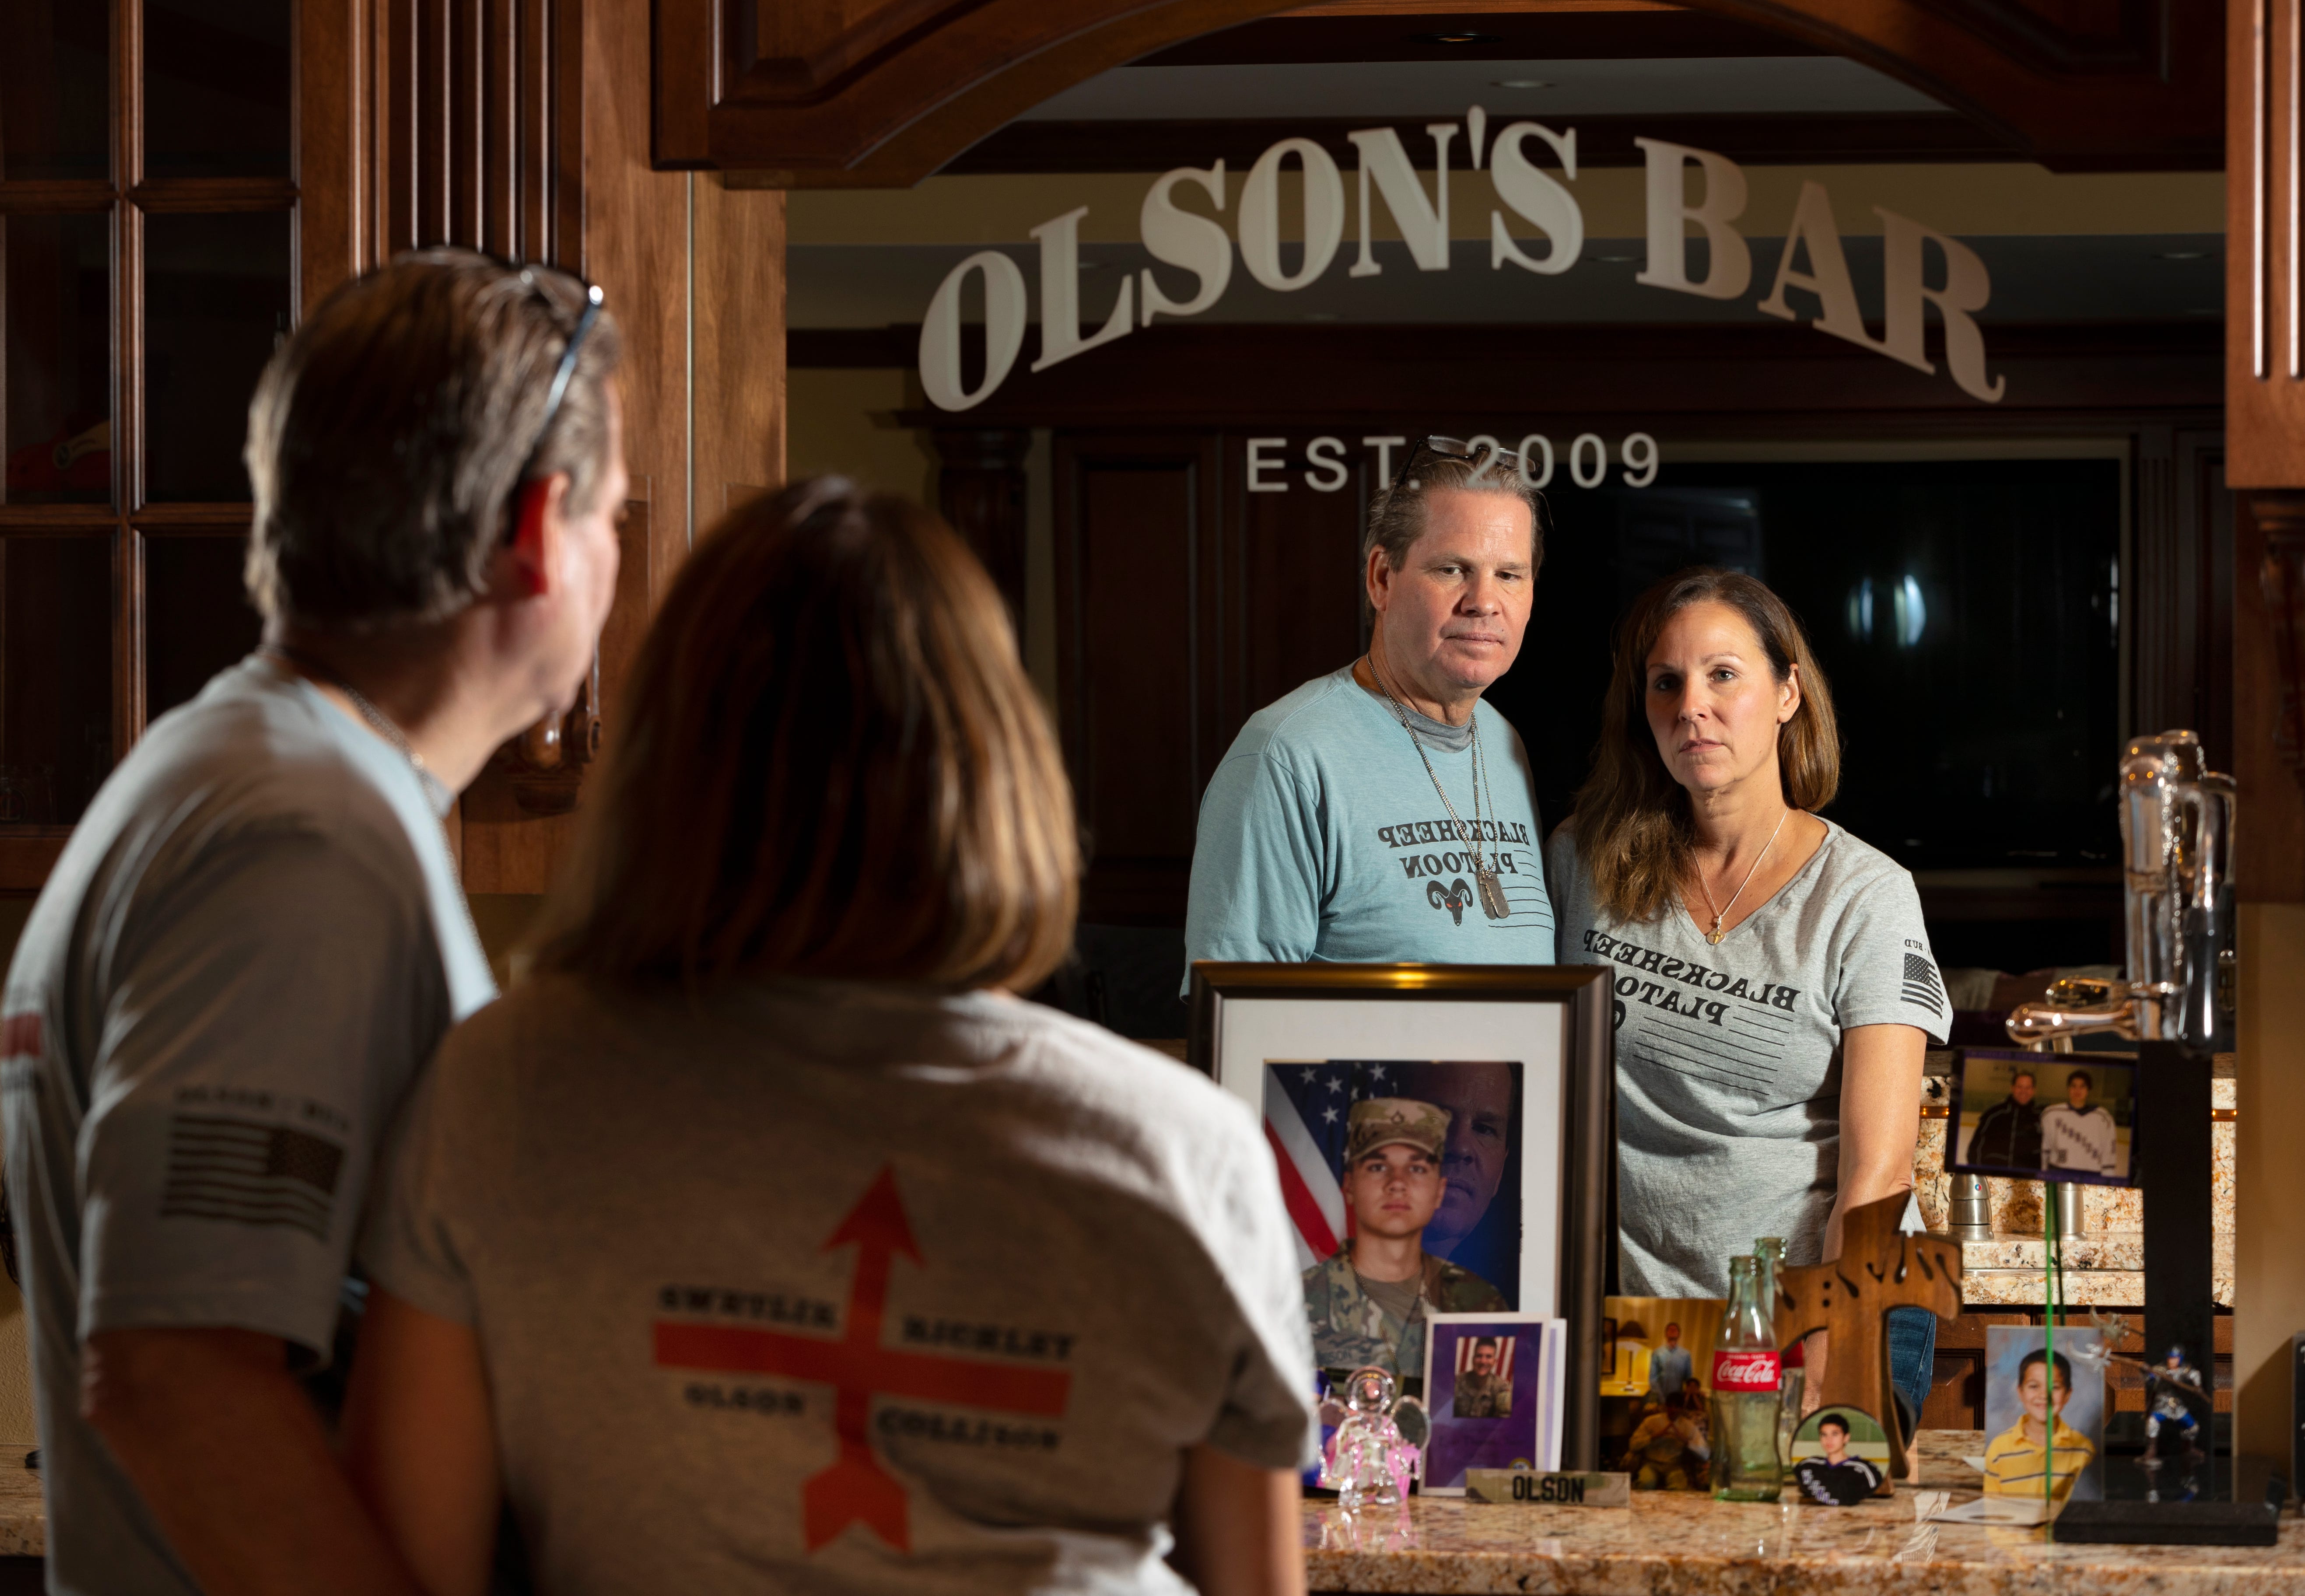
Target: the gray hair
(1396, 514)
(386, 436)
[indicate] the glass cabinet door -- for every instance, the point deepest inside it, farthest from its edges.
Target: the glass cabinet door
(148, 256)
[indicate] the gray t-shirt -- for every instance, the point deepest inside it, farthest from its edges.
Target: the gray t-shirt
(843, 1288)
(1729, 1057)
(252, 942)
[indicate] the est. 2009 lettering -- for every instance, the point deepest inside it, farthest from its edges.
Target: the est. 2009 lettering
(1533, 459)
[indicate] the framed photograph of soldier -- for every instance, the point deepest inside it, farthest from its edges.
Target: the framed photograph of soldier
(2062, 1116)
(2044, 1407)
(1493, 1384)
(1839, 1457)
(1442, 1137)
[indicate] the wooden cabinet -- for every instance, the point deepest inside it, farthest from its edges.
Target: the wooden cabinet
(180, 182)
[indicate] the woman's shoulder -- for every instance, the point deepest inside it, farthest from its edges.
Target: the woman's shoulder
(1848, 864)
(1112, 1077)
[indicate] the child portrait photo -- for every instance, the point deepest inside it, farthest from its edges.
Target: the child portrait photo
(2043, 1414)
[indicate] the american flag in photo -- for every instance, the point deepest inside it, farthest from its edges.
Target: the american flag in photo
(1307, 1108)
(1503, 1344)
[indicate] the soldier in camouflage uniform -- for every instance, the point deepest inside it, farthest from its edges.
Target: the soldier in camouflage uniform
(1483, 1393)
(1367, 1302)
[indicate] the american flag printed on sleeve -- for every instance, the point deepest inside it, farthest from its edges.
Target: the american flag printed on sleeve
(1923, 989)
(251, 1173)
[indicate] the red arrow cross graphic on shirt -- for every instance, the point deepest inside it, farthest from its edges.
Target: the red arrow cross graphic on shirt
(857, 1490)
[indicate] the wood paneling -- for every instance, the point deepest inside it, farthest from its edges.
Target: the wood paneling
(1729, 380)
(2264, 330)
(1398, 31)
(1601, 141)
(2180, 585)
(981, 490)
(481, 126)
(866, 94)
(335, 133)
(1292, 584)
(636, 244)
(739, 344)
(2269, 842)
(1136, 562)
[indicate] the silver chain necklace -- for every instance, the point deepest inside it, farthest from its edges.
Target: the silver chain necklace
(435, 791)
(1485, 880)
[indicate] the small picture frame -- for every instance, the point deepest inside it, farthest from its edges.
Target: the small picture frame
(1839, 1457)
(2035, 1387)
(2055, 1116)
(1520, 1060)
(1492, 1385)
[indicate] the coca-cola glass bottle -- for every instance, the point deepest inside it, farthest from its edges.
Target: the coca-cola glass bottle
(1746, 1467)
(1771, 1251)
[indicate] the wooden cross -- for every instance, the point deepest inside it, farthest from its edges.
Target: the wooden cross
(1880, 1268)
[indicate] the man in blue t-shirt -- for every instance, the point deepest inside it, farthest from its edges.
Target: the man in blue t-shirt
(1383, 813)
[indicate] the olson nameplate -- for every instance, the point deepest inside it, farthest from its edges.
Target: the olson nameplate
(1549, 1490)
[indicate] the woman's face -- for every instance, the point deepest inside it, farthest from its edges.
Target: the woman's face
(1714, 703)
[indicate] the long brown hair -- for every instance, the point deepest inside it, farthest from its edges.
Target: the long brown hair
(832, 765)
(1634, 831)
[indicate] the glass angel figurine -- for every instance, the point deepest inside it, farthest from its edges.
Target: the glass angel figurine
(1374, 1453)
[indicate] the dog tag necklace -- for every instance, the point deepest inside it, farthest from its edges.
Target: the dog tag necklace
(1491, 891)
(1716, 933)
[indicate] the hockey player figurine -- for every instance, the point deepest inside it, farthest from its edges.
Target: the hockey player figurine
(1370, 1461)
(2174, 1388)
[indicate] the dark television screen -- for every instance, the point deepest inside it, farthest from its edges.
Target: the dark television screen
(1965, 615)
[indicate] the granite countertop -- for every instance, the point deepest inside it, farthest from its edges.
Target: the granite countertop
(1682, 1544)
(23, 1516)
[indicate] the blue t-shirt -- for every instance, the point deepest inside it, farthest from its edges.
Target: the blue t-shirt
(1322, 838)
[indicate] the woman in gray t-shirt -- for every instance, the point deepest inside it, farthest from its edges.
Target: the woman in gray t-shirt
(758, 1239)
(1775, 990)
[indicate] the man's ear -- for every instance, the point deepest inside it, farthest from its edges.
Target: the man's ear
(535, 546)
(1377, 577)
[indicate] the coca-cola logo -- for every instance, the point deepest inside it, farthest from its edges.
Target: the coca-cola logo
(1745, 1371)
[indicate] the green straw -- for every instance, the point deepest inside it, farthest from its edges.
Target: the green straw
(2050, 1284)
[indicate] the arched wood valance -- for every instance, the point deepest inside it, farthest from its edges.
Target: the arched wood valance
(875, 93)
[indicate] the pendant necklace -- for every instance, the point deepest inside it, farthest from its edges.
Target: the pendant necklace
(1490, 889)
(1716, 933)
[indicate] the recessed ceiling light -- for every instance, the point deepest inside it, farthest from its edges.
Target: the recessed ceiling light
(1459, 39)
(1616, 259)
(1520, 83)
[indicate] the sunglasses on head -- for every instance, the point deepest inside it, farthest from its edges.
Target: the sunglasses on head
(1498, 459)
(594, 298)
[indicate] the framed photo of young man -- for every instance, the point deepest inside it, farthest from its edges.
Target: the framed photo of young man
(1443, 1139)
